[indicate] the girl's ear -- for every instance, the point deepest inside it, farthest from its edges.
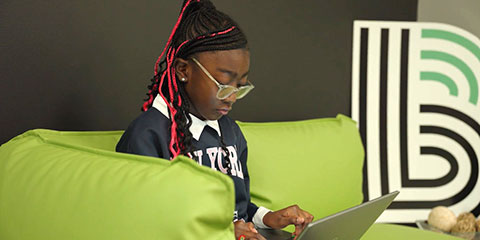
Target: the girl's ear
(182, 69)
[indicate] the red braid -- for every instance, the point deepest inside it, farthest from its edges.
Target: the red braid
(175, 146)
(172, 34)
(155, 69)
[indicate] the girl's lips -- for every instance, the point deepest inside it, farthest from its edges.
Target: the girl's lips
(223, 111)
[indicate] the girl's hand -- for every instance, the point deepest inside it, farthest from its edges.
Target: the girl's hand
(248, 230)
(289, 215)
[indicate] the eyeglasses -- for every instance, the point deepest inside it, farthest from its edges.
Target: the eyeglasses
(224, 91)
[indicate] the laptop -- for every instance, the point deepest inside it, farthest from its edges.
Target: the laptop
(349, 224)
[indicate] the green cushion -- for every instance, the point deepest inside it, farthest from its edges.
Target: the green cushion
(57, 186)
(316, 164)
(397, 232)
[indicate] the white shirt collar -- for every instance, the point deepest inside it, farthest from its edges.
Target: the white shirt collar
(197, 125)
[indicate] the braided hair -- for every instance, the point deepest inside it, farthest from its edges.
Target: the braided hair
(200, 27)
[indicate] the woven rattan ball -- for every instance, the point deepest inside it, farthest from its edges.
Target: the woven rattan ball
(467, 216)
(464, 226)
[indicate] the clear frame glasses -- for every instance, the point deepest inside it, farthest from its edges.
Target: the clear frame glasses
(224, 91)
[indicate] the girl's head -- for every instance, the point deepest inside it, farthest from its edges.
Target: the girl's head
(201, 73)
(205, 52)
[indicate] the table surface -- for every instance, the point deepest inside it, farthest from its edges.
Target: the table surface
(422, 224)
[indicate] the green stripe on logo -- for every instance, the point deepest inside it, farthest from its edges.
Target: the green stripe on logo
(441, 78)
(461, 65)
(452, 37)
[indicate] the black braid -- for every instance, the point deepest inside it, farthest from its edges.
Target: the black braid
(228, 164)
(183, 124)
(199, 19)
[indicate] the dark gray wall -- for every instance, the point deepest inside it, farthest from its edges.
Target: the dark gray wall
(465, 15)
(85, 65)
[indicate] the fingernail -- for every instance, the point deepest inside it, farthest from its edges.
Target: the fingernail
(254, 230)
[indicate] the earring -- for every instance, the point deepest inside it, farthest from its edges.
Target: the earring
(183, 79)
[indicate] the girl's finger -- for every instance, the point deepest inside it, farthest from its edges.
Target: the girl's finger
(307, 216)
(298, 230)
(251, 227)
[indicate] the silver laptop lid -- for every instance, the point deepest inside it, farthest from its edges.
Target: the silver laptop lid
(348, 224)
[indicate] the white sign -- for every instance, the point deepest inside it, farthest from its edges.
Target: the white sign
(415, 96)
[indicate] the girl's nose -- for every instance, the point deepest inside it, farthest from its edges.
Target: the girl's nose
(231, 99)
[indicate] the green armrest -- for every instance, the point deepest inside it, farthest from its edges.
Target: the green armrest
(55, 185)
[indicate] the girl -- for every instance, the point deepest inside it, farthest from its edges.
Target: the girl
(200, 74)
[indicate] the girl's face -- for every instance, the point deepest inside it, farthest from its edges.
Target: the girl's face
(229, 67)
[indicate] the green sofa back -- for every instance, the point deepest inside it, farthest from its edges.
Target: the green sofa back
(56, 185)
(316, 164)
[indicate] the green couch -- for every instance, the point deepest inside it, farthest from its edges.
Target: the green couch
(72, 185)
